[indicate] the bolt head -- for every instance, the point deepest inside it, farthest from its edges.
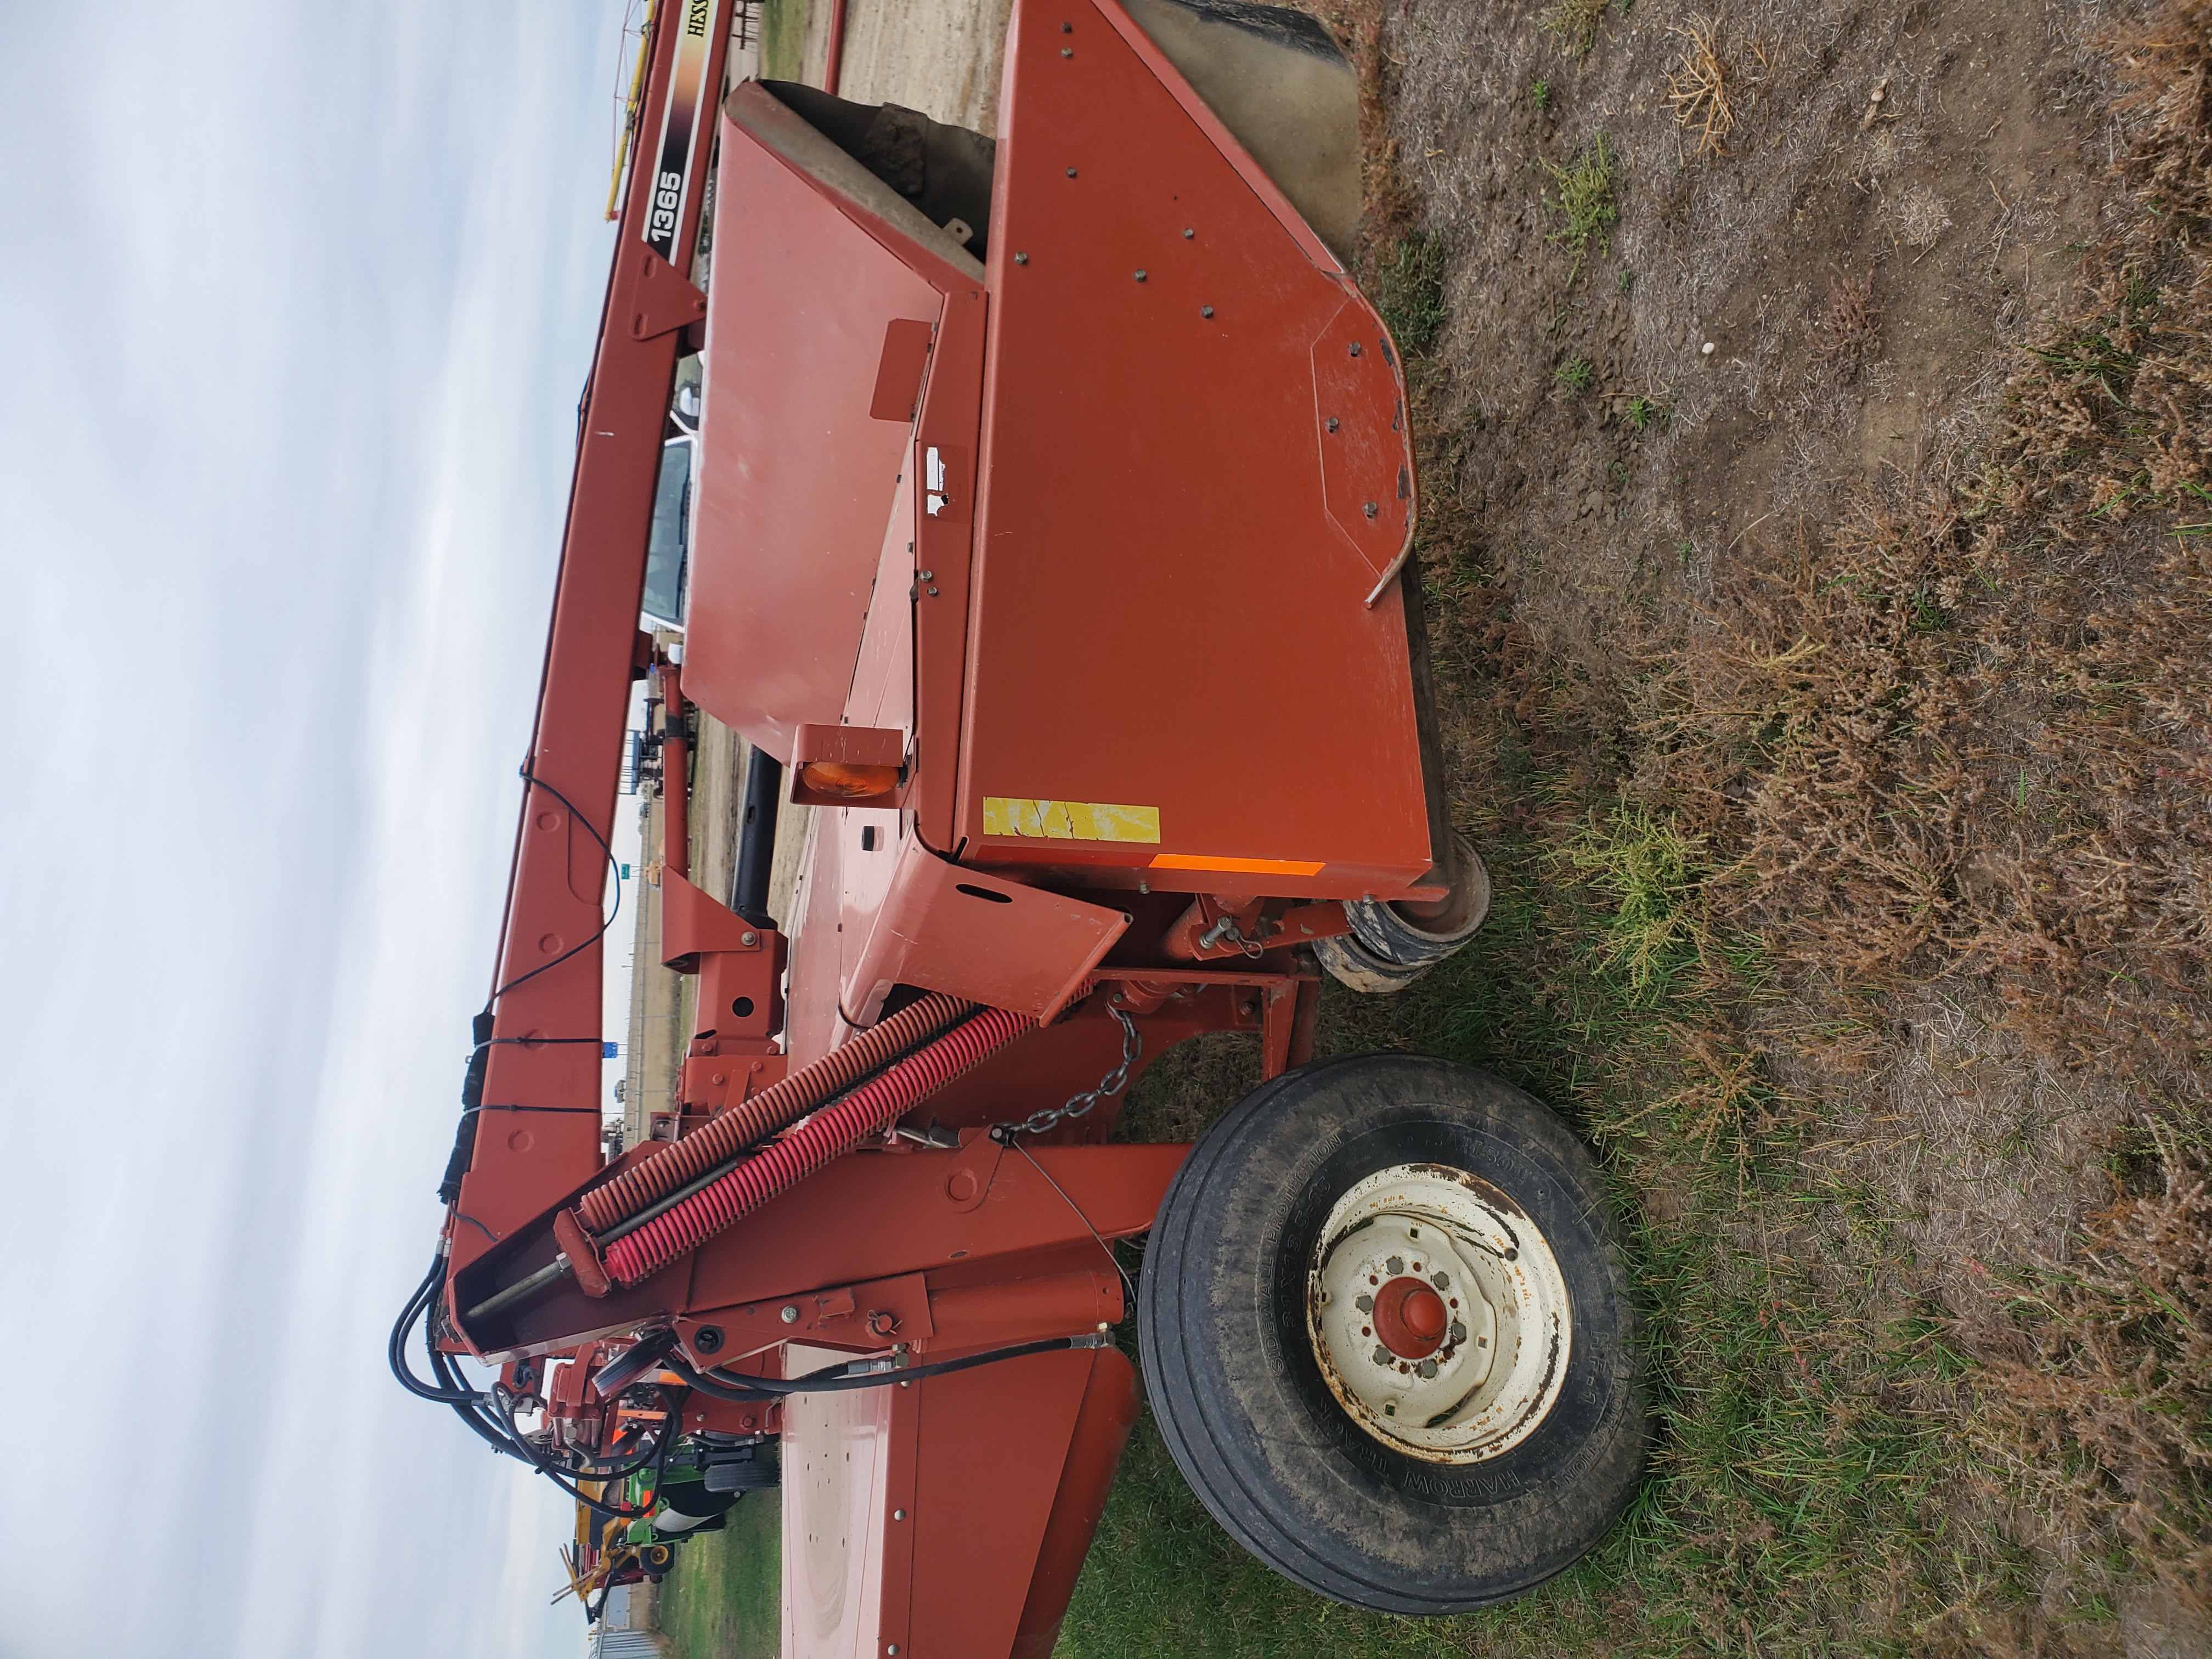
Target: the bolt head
(1071, 172)
(1206, 311)
(789, 1316)
(1021, 259)
(749, 939)
(1187, 233)
(1141, 275)
(898, 1515)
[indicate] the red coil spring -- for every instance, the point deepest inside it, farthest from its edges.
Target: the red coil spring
(774, 1107)
(866, 1110)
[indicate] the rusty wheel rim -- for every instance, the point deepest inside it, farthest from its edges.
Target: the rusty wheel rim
(1437, 1314)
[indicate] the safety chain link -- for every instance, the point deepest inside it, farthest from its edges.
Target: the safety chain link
(1052, 1117)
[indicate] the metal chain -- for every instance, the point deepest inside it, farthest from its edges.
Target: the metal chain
(1052, 1117)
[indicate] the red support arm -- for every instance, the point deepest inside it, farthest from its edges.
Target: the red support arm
(537, 1133)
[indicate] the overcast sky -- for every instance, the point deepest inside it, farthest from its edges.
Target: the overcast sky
(296, 302)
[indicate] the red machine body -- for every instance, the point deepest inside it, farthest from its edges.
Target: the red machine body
(1085, 555)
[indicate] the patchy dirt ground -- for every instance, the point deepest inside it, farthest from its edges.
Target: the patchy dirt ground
(941, 57)
(1960, 195)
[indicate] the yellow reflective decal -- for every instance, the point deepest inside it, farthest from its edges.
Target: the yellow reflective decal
(1069, 820)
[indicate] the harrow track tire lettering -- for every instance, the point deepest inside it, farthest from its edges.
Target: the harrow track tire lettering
(1233, 1378)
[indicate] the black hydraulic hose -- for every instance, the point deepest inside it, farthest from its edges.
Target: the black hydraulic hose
(753, 1389)
(418, 1306)
(470, 1405)
(756, 837)
(671, 1433)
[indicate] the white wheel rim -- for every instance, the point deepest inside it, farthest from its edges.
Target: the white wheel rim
(1494, 1372)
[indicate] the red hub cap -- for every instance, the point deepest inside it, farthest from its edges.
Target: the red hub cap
(1410, 1318)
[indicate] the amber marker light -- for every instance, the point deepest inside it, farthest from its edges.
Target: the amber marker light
(1255, 866)
(849, 783)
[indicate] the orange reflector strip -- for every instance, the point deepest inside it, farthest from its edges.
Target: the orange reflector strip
(1255, 866)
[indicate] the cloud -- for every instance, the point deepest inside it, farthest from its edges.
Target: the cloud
(295, 346)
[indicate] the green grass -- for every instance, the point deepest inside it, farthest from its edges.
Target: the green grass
(1574, 375)
(1585, 200)
(783, 38)
(1409, 290)
(1573, 23)
(724, 1598)
(1789, 1486)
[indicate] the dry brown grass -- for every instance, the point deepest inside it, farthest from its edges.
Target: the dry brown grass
(1850, 332)
(2100, 1403)
(1965, 736)
(1698, 83)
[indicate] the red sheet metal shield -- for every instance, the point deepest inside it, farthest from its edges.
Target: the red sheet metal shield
(799, 476)
(1194, 475)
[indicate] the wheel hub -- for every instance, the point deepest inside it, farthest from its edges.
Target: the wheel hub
(1437, 1314)
(1411, 1318)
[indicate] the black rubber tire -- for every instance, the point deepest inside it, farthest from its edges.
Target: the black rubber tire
(1240, 1399)
(762, 1473)
(1395, 938)
(1356, 968)
(656, 1559)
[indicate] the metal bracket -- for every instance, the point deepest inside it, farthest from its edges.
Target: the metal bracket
(968, 1182)
(662, 301)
